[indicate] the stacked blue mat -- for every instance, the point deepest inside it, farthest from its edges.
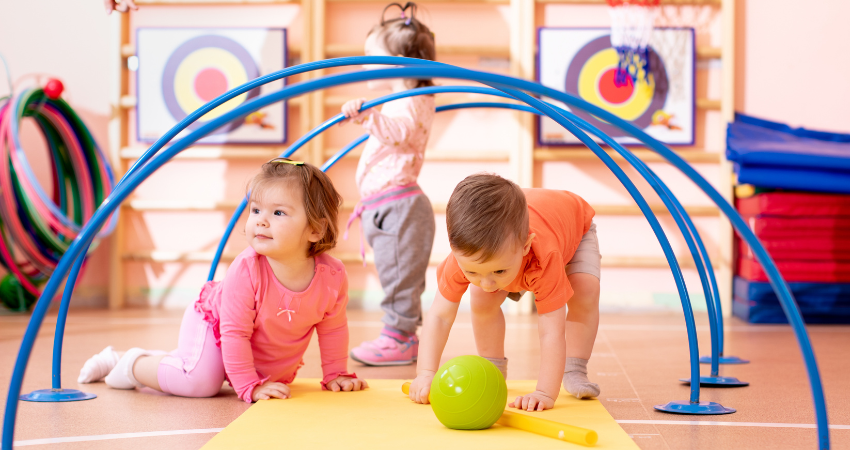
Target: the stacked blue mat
(756, 302)
(771, 155)
(774, 155)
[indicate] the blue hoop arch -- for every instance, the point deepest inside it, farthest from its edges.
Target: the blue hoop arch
(412, 68)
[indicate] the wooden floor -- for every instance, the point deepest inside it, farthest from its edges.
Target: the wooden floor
(637, 361)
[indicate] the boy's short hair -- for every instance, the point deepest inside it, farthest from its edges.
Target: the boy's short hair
(484, 212)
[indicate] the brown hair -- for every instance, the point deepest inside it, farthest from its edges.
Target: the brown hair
(321, 199)
(484, 212)
(406, 36)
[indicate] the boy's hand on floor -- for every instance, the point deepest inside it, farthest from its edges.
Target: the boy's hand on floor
(270, 389)
(342, 383)
(420, 389)
(535, 401)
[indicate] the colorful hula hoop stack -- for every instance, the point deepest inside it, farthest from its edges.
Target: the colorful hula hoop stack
(37, 228)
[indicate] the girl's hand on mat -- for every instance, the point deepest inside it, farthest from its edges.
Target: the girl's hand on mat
(421, 388)
(270, 389)
(341, 383)
(535, 401)
(351, 109)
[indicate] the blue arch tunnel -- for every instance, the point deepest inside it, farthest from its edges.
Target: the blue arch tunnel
(501, 86)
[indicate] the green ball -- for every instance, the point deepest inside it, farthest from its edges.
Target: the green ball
(468, 393)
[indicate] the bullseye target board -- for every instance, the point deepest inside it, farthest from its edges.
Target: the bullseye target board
(581, 62)
(181, 69)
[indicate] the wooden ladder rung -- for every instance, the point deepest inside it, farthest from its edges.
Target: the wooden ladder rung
(213, 152)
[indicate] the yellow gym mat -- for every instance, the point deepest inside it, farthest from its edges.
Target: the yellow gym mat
(381, 417)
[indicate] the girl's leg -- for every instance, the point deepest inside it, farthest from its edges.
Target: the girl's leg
(145, 370)
(488, 326)
(196, 368)
(401, 234)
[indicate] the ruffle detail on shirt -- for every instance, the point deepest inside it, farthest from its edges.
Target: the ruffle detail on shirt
(333, 376)
(204, 306)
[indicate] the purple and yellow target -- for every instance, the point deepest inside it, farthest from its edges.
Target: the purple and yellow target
(200, 70)
(591, 74)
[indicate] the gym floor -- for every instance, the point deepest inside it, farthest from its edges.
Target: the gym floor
(637, 360)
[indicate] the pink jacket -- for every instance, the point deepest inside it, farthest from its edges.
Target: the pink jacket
(263, 328)
(395, 150)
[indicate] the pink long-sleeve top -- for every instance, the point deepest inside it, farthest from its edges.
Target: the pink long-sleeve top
(395, 150)
(263, 328)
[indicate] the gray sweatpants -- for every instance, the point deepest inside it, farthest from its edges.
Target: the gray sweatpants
(401, 234)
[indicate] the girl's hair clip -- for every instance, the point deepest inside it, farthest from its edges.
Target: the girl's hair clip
(287, 161)
(405, 17)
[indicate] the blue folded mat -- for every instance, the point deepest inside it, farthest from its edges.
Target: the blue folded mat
(818, 302)
(771, 154)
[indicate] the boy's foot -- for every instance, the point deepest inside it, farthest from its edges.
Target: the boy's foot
(387, 351)
(98, 366)
(575, 379)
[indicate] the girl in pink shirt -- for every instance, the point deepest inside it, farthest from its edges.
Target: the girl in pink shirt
(396, 217)
(253, 327)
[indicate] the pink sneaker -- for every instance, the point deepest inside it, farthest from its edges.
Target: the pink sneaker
(386, 351)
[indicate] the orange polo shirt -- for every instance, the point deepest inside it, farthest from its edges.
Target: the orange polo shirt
(559, 219)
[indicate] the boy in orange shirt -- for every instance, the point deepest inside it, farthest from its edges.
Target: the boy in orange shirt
(505, 241)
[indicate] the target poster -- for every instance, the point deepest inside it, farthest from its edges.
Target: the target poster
(581, 62)
(181, 69)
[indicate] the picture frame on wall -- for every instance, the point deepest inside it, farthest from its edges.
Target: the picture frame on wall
(181, 69)
(581, 62)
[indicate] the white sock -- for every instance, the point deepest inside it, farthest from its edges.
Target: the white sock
(98, 366)
(575, 379)
(121, 377)
(501, 364)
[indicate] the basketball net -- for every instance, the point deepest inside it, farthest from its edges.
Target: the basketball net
(632, 22)
(674, 46)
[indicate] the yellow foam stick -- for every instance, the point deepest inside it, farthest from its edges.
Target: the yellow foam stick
(548, 428)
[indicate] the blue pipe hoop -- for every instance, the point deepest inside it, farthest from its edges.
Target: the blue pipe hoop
(694, 406)
(132, 181)
(683, 220)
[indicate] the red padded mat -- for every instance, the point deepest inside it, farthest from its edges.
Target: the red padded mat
(766, 227)
(813, 248)
(804, 271)
(795, 204)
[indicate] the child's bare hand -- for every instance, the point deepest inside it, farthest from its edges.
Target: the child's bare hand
(342, 383)
(270, 389)
(535, 401)
(420, 389)
(351, 109)
(119, 5)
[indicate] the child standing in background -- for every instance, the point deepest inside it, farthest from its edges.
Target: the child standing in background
(253, 327)
(396, 217)
(505, 241)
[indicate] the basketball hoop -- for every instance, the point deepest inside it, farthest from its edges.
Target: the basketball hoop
(632, 22)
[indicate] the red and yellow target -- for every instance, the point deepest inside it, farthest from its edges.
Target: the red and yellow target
(591, 75)
(200, 70)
